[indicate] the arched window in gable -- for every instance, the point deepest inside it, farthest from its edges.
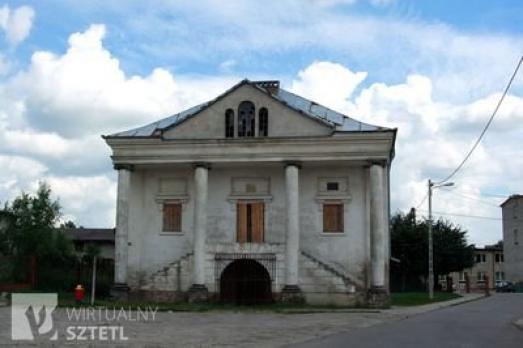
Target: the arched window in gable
(263, 122)
(229, 123)
(246, 119)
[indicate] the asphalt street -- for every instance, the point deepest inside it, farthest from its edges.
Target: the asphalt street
(483, 323)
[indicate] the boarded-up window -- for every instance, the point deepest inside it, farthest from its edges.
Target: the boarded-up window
(250, 222)
(263, 122)
(229, 123)
(332, 217)
(172, 217)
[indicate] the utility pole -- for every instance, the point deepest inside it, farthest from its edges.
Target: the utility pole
(93, 282)
(431, 251)
(432, 186)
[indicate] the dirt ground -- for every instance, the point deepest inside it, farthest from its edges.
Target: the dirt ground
(207, 329)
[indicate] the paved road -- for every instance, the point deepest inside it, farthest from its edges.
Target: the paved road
(484, 323)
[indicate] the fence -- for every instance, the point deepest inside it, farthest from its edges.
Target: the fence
(57, 275)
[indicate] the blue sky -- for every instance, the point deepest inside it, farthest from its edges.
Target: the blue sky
(70, 71)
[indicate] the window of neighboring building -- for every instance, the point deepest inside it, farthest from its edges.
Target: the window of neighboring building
(500, 258)
(500, 276)
(172, 217)
(333, 217)
(516, 241)
(480, 258)
(250, 221)
(461, 276)
(481, 276)
(263, 122)
(229, 123)
(246, 119)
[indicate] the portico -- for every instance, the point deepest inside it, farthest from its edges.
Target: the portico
(316, 205)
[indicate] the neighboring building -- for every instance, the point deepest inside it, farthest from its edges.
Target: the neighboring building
(257, 195)
(512, 211)
(488, 263)
(103, 238)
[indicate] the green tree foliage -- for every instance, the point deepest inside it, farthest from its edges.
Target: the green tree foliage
(409, 244)
(32, 227)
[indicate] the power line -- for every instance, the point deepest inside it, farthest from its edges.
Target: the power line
(469, 197)
(486, 126)
(422, 201)
(465, 215)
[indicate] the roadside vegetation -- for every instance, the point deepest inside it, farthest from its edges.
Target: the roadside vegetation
(420, 298)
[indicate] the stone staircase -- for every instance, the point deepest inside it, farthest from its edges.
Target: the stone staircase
(318, 276)
(175, 276)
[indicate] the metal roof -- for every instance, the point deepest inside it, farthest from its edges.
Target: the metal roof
(338, 121)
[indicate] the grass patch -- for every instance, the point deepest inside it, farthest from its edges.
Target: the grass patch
(420, 298)
(67, 300)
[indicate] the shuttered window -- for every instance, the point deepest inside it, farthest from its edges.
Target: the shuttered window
(172, 217)
(333, 218)
(250, 222)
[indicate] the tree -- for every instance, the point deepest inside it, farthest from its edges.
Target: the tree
(409, 244)
(32, 230)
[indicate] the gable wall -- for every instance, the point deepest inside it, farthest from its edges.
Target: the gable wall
(283, 121)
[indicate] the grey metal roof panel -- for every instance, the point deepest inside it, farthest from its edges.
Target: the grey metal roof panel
(148, 130)
(339, 121)
(342, 122)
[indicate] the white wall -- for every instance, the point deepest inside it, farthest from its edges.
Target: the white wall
(151, 250)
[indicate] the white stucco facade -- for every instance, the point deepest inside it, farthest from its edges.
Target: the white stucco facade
(190, 161)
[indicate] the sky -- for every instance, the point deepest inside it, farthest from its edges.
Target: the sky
(71, 71)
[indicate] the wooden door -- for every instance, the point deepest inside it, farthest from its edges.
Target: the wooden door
(250, 222)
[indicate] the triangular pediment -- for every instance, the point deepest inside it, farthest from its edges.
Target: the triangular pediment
(289, 116)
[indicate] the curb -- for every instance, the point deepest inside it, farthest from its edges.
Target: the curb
(519, 324)
(436, 306)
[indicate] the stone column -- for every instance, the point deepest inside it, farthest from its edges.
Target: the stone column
(198, 291)
(379, 235)
(121, 241)
(291, 291)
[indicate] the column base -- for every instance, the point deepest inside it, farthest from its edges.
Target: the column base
(197, 293)
(378, 297)
(120, 292)
(292, 294)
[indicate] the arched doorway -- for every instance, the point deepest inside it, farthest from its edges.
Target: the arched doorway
(245, 282)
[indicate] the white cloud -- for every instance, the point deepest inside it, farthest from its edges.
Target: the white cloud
(53, 113)
(432, 140)
(16, 23)
(85, 91)
(17, 174)
(327, 83)
(89, 201)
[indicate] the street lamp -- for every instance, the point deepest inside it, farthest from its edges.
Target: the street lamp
(432, 186)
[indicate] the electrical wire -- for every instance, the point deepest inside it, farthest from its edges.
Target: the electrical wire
(464, 215)
(469, 197)
(422, 201)
(486, 126)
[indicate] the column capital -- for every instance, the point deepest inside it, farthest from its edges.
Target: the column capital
(381, 163)
(296, 164)
(123, 166)
(205, 165)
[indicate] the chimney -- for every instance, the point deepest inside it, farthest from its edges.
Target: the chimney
(271, 86)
